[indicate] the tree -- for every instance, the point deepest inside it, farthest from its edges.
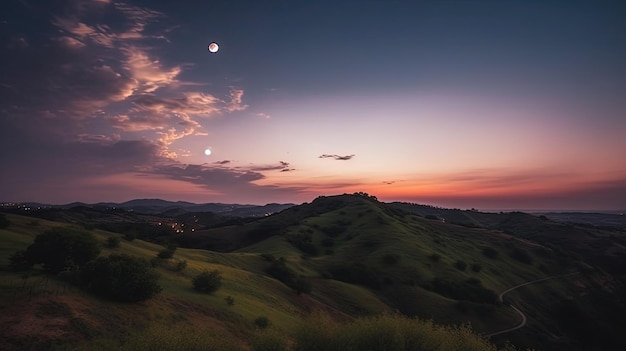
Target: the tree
(113, 242)
(121, 278)
(207, 282)
(61, 249)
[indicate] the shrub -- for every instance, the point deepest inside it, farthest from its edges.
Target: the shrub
(460, 265)
(166, 254)
(435, 257)
(262, 322)
(229, 300)
(121, 278)
(113, 242)
(180, 265)
(208, 282)
(60, 249)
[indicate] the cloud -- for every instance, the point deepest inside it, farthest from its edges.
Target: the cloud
(236, 101)
(389, 182)
(263, 115)
(337, 157)
(223, 162)
(281, 166)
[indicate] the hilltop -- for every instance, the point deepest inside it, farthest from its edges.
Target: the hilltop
(353, 256)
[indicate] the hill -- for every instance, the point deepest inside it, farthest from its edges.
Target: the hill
(353, 257)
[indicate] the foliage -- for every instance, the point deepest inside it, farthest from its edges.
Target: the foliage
(280, 271)
(113, 242)
(262, 322)
(60, 249)
(303, 242)
(180, 265)
(166, 254)
(460, 265)
(121, 278)
(229, 300)
(476, 267)
(207, 282)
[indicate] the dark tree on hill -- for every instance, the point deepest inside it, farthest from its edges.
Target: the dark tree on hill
(207, 282)
(61, 249)
(121, 278)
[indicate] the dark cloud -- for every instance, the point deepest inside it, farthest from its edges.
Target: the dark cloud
(223, 162)
(281, 166)
(389, 182)
(338, 157)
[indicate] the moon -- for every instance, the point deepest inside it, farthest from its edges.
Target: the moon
(213, 47)
(207, 152)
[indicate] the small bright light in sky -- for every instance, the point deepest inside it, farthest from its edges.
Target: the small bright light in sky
(207, 152)
(213, 47)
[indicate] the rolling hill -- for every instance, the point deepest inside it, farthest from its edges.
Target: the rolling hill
(353, 257)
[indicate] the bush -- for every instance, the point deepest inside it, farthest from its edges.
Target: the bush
(521, 255)
(476, 267)
(180, 265)
(60, 249)
(262, 322)
(208, 282)
(166, 254)
(121, 278)
(229, 300)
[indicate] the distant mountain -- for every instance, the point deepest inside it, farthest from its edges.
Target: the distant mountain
(171, 208)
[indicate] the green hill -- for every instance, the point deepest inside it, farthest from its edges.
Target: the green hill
(349, 256)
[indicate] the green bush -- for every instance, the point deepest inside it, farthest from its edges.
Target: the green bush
(207, 282)
(262, 322)
(61, 249)
(121, 278)
(435, 257)
(166, 254)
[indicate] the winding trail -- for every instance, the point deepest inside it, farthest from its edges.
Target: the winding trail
(523, 322)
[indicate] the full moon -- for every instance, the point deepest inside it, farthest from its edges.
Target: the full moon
(207, 152)
(213, 47)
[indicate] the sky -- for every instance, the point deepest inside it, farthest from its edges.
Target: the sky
(465, 104)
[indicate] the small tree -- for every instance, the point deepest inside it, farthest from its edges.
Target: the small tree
(60, 249)
(208, 282)
(121, 277)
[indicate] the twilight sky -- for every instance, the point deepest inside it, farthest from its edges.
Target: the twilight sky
(485, 104)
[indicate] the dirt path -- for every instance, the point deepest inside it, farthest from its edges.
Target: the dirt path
(523, 321)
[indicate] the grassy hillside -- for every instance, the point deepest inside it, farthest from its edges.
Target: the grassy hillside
(352, 256)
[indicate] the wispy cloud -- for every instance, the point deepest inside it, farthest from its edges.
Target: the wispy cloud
(337, 157)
